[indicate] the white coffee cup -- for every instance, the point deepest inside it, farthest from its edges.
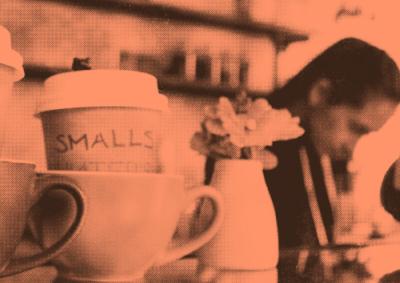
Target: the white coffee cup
(21, 189)
(129, 224)
(103, 120)
(11, 69)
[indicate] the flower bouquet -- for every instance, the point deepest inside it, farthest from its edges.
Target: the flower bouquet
(243, 128)
(236, 134)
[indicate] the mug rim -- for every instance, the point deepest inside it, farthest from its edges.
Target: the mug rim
(17, 161)
(108, 174)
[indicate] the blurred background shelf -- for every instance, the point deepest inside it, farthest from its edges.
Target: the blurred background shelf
(169, 85)
(280, 34)
(195, 47)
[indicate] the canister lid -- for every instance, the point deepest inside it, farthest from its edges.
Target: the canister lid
(101, 88)
(8, 56)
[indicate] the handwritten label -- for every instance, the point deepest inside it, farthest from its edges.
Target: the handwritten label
(106, 140)
(113, 166)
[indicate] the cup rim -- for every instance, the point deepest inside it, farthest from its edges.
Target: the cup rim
(17, 161)
(108, 174)
(58, 89)
(83, 107)
(12, 59)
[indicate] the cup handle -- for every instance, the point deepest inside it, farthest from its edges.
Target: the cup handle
(45, 184)
(178, 249)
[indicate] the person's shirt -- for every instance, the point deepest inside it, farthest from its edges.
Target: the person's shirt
(288, 192)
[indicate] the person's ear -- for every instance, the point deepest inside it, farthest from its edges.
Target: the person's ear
(319, 92)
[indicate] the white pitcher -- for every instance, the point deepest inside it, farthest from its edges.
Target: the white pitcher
(248, 237)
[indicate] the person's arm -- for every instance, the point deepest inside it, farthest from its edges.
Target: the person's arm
(390, 193)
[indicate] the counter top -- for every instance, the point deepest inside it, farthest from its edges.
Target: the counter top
(377, 262)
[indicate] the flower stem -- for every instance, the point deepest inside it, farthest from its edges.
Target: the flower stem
(245, 153)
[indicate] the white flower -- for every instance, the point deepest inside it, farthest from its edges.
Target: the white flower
(260, 126)
(243, 129)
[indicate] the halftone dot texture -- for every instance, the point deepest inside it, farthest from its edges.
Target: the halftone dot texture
(50, 34)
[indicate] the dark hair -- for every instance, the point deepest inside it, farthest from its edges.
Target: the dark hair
(353, 67)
